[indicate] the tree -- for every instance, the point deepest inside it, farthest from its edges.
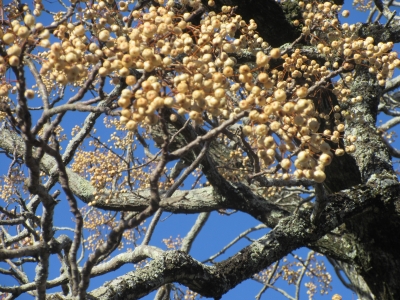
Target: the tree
(264, 108)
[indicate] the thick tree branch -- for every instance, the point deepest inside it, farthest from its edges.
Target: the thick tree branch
(193, 201)
(214, 281)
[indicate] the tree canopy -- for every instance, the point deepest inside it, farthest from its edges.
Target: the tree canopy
(128, 109)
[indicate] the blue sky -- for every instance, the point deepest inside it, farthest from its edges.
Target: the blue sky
(218, 232)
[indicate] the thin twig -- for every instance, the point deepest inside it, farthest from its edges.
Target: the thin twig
(234, 241)
(194, 231)
(271, 275)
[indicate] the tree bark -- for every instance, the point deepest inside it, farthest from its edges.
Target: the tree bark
(274, 23)
(359, 228)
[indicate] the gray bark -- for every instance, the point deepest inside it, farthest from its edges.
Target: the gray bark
(359, 227)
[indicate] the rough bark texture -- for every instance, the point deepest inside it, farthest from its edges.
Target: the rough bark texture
(290, 233)
(359, 228)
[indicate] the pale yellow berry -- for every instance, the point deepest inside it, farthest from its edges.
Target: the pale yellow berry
(8, 38)
(325, 159)
(339, 152)
(286, 163)
(130, 80)
(319, 176)
(123, 120)
(261, 59)
(275, 126)
(126, 113)
(298, 174)
(219, 93)
(29, 20)
(228, 71)
(247, 130)
(350, 149)
(14, 50)
(131, 125)
(345, 13)
(271, 152)
(302, 92)
(30, 94)
(13, 61)
(104, 35)
(280, 95)
(340, 127)
(261, 130)
(124, 102)
(352, 139)
(303, 155)
(23, 32)
(275, 53)
(337, 297)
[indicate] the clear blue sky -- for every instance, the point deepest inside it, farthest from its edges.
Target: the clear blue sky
(218, 232)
